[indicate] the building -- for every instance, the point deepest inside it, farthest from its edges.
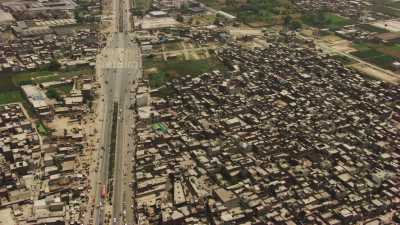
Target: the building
(173, 4)
(37, 99)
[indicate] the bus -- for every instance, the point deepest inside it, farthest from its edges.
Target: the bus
(103, 191)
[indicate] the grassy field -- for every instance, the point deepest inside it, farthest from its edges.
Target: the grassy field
(173, 68)
(10, 82)
(326, 20)
(265, 12)
(203, 19)
(11, 96)
(388, 49)
(378, 54)
(371, 28)
(64, 89)
(173, 46)
(142, 4)
(158, 79)
(215, 4)
(16, 79)
(41, 128)
(59, 91)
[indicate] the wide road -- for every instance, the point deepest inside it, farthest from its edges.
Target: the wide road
(118, 67)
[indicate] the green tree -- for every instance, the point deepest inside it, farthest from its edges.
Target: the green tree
(52, 93)
(287, 20)
(294, 25)
(320, 17)
(54, 65)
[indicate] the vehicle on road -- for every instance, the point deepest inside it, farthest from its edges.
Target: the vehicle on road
(103, 191)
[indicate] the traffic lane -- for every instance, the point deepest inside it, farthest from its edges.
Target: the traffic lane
(104, 156)
(117, 201)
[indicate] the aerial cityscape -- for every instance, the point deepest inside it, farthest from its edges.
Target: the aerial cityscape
(197, 112)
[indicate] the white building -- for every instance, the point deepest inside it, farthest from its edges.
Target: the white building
(173, 4)
(37, 99)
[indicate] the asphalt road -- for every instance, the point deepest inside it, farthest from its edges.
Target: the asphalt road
(118, 67)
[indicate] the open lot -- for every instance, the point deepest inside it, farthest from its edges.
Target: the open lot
(370, 28)
(375, 73)
(378, 54)
(390, 25)
(172, 46)
(204, 19)
(338, 44)
(10, 96)
(142, 4)
(326, 20)
(215, 4)
(256, 12)
(164, 71)
(41, 128)
(10, 82)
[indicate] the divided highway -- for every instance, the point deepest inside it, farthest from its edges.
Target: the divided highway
(118, 68)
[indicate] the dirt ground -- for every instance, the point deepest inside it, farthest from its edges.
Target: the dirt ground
(391, 25)
(375, 73)
(338, 44)
(7, 36)
(61, 123)
(240, 32)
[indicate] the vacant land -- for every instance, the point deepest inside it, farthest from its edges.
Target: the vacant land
(215, 4)
(390, 25)
(59, 91)
(204, 19)
(325, 20)
(375, 73)
(370, 28)
(256, 12)
(10, 82)
(41, 128)
(378, 54)
(142, 4)
(164, 71)
(10, 96)
(173, 46)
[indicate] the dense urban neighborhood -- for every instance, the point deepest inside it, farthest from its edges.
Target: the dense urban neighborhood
(221, 112)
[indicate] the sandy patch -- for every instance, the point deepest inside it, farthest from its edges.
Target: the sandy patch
(377, 74)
